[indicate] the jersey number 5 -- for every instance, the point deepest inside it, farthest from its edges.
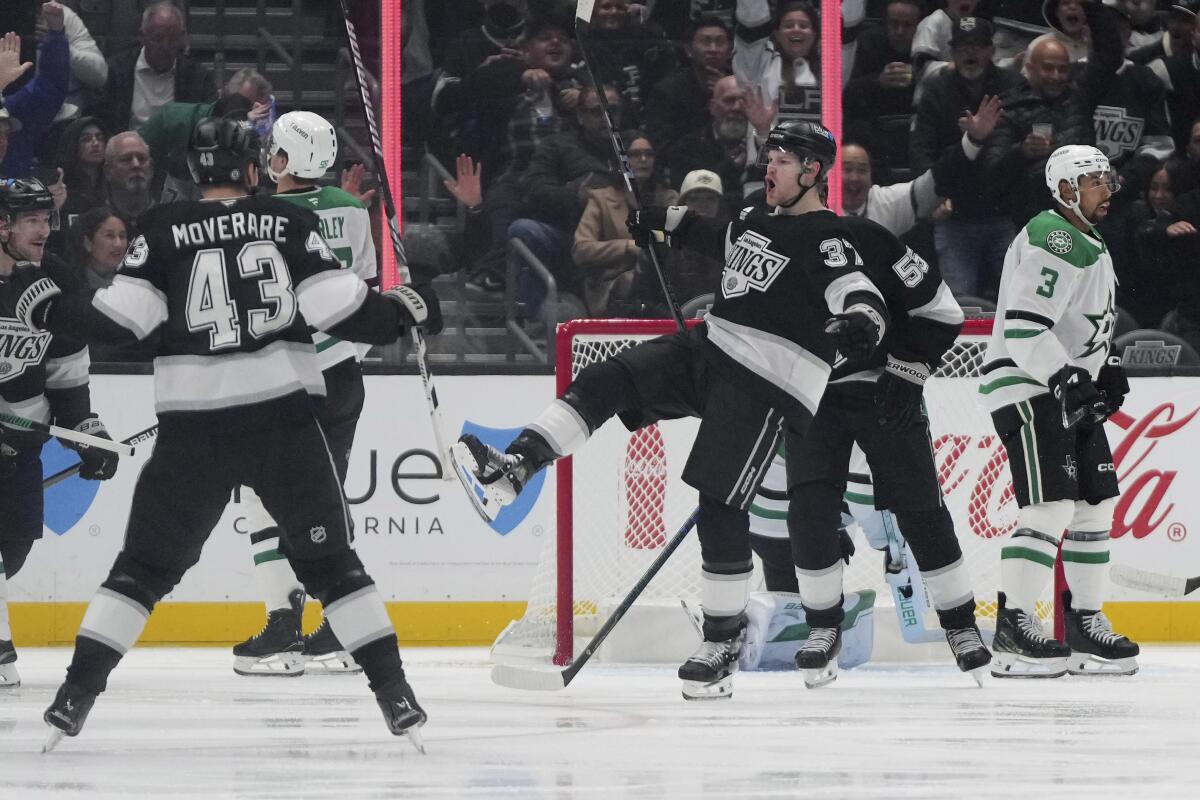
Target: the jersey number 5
(211, 308)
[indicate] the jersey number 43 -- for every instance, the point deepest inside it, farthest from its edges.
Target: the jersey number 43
(210, 303)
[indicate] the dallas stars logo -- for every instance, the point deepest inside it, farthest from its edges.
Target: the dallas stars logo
(1102, 325)
(1070, 468)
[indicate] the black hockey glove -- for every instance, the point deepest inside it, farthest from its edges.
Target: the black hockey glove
(898, 394)
(1113, 385)
(846, 543)
(1078, 397)
(96, 464)
(855, 333)
(645, 222)
(35, 304)
(418, 306)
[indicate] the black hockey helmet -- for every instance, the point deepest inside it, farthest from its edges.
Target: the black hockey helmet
(809, 140)
(20, 195)
(220, 150)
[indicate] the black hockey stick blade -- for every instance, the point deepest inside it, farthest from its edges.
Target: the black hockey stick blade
(133, 441)
(1152, 582)
(549, 679)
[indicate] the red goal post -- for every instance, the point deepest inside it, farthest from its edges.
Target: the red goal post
(620, 498)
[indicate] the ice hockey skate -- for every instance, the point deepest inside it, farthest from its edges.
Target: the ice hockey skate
(67, 713)
(404, 716)
(324, 654)
(817, 659)
(969, 651)
(1095, 648)
(1022, 649)
(492, 479)
(278, 648)
(9, 677)
(708, 673)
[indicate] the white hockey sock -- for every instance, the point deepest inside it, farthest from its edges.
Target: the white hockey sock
(562, 428)
(5, 630)
(724, 595)
(1026, 567)
(950, 586)
(274, 574)
(821, 588)
(359, 618)
(113, 620)
(1085, 564)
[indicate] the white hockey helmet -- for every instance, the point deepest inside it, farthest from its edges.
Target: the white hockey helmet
(1071, 161)
(308, 139)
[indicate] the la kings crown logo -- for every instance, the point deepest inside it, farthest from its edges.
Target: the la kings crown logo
(751, 265)
(20, 348)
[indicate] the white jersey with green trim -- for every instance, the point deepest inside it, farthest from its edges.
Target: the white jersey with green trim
(769, 510)
(346, 227)
(1056, 308)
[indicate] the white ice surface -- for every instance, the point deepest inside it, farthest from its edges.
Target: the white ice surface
(177, 723)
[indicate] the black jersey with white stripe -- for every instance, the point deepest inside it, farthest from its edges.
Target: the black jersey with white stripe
(234, 285)
(784, 277)
(43, 377)
(925, 319)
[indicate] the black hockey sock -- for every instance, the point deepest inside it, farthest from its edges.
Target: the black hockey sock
(958, 617)
(91, 664)
(380, 661)
(776, 554)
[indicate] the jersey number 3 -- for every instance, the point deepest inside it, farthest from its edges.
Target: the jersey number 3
(211, 308)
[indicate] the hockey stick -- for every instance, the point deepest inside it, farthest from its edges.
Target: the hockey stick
(540, 679)
(70, 471)
(583, 21)
(389, 206)
(66, 433)
(1152, 582)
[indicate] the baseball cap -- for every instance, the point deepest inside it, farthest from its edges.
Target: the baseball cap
(1184, 8)
(13, 122)
(971, 30)
(699, 179)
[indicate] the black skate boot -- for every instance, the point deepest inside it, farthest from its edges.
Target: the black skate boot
(817, 658)
(404, 716)
(324, 654)
(67, 713)
(708, 673)
(494, 479)
(969, 651)
(1022, 649)
(1095, 648)
(277, 648)
(9, 677)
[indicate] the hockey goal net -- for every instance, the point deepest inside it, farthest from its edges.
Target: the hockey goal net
(620, 498)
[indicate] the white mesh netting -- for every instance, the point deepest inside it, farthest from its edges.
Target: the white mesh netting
(628, 498)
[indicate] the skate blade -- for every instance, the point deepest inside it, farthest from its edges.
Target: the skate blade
(9, 677)
(816, 678)
(414, 735)
(53, 739)
(1090, 665)
(978, 674)
(482, 500)
(716, 690)
(1011, 665)
(281, 665)
(331, 664)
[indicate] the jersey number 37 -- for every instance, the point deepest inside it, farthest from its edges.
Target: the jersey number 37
(210, 304)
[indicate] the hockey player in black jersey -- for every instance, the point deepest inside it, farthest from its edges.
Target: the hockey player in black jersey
(877, 402)
(234, 281)
(43, 378)
(754, 371)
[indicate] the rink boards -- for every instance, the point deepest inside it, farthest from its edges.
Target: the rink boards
(452, 579)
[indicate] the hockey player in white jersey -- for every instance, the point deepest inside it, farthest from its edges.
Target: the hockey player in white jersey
(1050, 384)
(301, 148)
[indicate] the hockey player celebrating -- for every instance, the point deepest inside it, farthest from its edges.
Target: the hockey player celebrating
(756, 367)
(43, 378)
(1050, 384)
(301, 147)
(876, 402)
(234, 281)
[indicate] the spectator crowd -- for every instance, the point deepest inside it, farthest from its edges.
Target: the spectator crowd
(950, 110)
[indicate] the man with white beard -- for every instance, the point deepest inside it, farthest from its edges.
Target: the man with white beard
(725, 146)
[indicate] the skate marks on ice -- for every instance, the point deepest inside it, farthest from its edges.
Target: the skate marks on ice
(178, 723)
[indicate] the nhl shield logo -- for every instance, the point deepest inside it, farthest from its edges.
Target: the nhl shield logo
(751, 265)
(317, 534)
